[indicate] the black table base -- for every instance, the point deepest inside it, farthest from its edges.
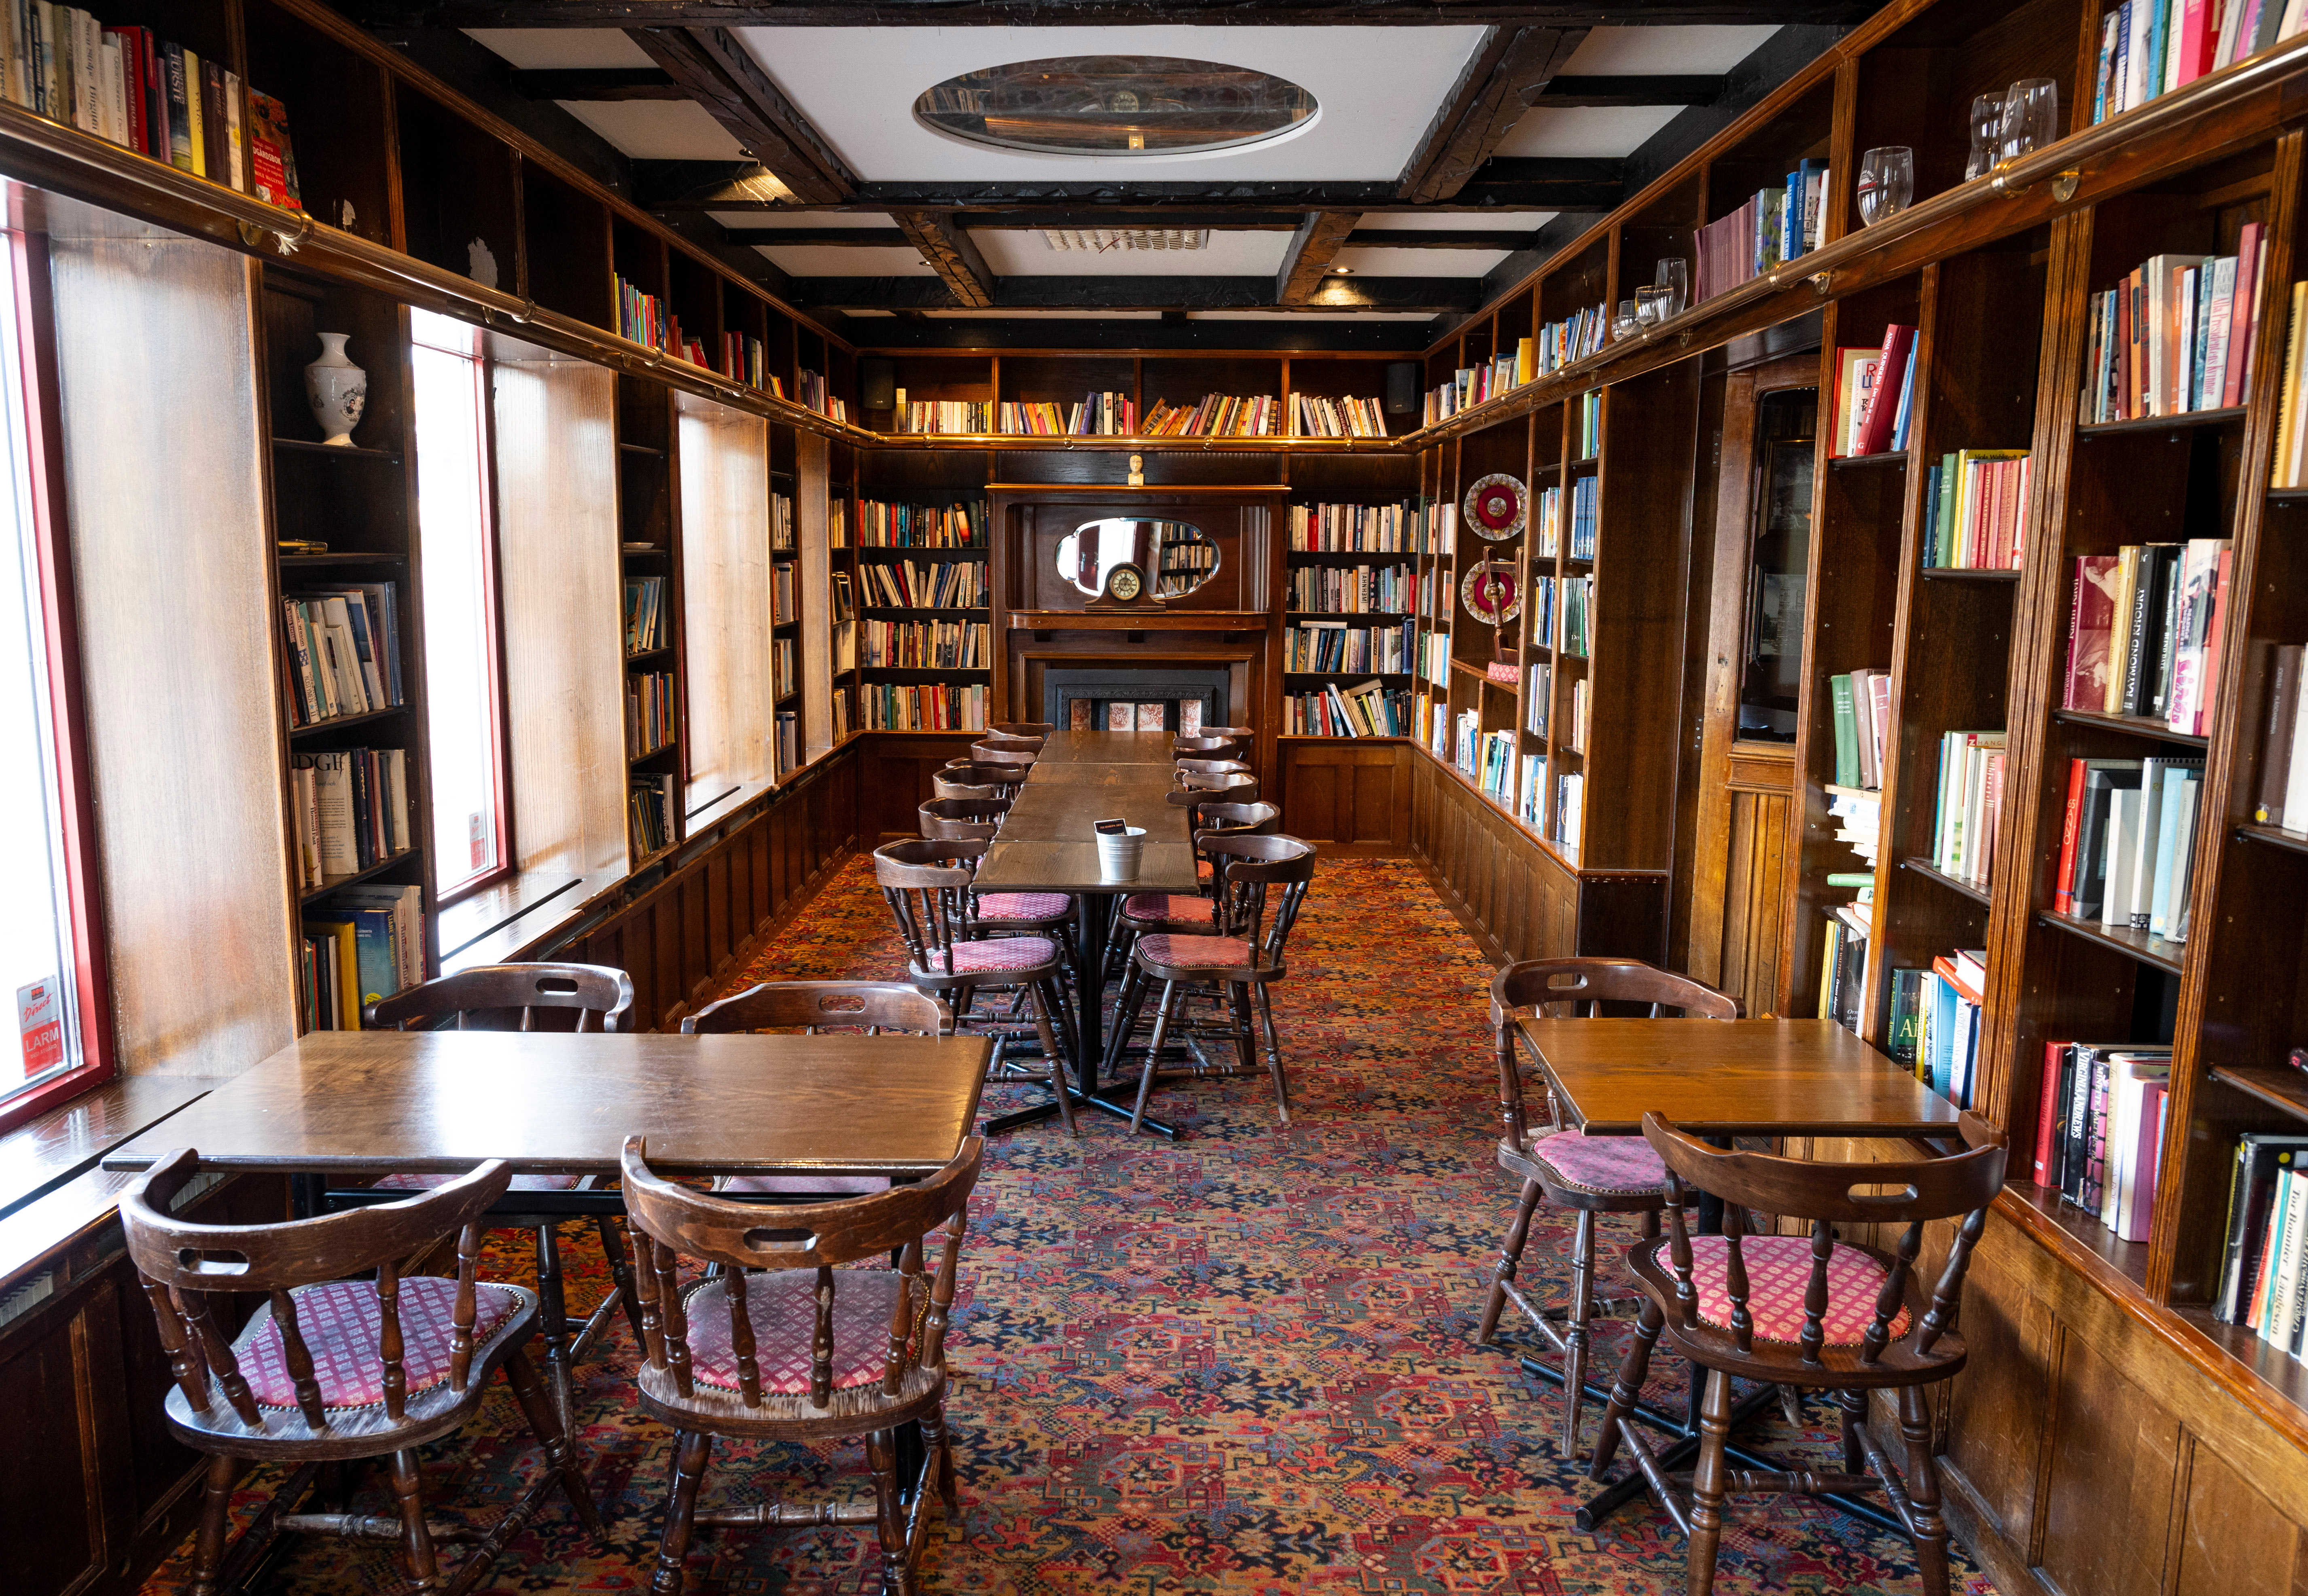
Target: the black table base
(1093, 926)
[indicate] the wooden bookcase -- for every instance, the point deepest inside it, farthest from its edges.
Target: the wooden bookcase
(1374, 480)
(941, 480)
(648, 533)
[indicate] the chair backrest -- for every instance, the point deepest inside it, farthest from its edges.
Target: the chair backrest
(1827, 1194)
(670, 1222)
(182, 1263)
(1578, 988)
(977, 781)
(1205, 746)
(1190, 766)
(1019, 757)
(1038, 730)
(1261, 880)
(926, 885)
(1194, 787)
(963, 820)
(490, 993)
(1230, 819)
(869, 1006)
(1241, 734)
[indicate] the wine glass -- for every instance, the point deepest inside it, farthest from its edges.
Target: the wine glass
(1674, 277)
(1652, 305)
(1623, 325)
(1887, 183)
(2031, 117)
(1987, 133)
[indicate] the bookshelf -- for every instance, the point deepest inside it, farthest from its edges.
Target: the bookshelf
(1366, 584)
(900, 519)
(648, 533)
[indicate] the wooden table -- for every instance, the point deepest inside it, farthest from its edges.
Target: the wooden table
(1046, 844)
(1722, 1079)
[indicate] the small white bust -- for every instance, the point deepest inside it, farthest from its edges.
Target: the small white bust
(1137, 470)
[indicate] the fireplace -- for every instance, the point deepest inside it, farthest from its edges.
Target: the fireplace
(1139, 698)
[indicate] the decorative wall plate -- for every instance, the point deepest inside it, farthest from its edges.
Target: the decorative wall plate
(1488, 592)
(1495, 506)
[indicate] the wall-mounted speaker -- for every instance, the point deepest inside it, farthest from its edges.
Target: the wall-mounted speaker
(877, 383)
(1401, 387)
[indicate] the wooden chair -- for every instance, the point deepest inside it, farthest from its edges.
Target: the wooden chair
(336, 1369)
(1176, 911)
(1808, 1311)
(1196, 787)
(784, 1344)
(927, 887)
(1039, 731)
(1261, 883)
(976, 780)
(997, 913)
(1589, 1175)
(812, 1006)
(962, 819)
(1012, 752)
(1207, 745)
(1224, 766)
(487, 997)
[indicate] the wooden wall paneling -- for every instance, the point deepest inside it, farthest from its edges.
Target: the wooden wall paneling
(1697, 679)
(1350, 795)
(2107, 1482)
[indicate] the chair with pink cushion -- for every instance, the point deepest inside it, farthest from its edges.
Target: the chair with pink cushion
(1179, 913)
(1587, 1174)
(928, 885)
(1805, 1310)
(514, 997)
(1262, 880)
(782, 1341)
(334, 1369)
(997, 913)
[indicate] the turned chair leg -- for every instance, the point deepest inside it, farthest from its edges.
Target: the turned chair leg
(560, 1452)
(1509, 1257)
(1244, 1021)
(1924, 1491)
(416, 1535)
(1273, 1052)
(1154, 1053)
(1044, 1001)
(1574, 1330)
(1708, 1484)
(937, 1447)
(216, 1514)
(621, 1270)
(553, 1325)
(1854, 1404)
(888, 1518)
(1628, 1388)
(692, 1449)
(1127, 1005)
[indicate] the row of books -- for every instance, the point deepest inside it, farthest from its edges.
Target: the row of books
(781, 523)
(1367, 710)
(1354, 589)
(647, 625)
(1970, 804)
(839, 605)
(1487, 758)
(1578, 721)
(1182, 564)
(1434, 659)
(648, 813)
(1858, 817)
(2290, 469)
(1843, 966)
(1317, 646)
(836, 523)
(1585, 516)
(364, 944)
(747, 360)
(2178, 334)
(343, 650)
(933, 707)
(1770, 228)
(2263, 1283)
(789, 742)
(1534, 791)
(1861, 703)
(783, 610)
(1536, 696)
(1590, 423)
(1874, 394)
(1974, 510)
(1935, 1021)
(845, 714)
(1547, 523)
(925, 645)
(138, 90)
(2150, 47)
(918, 585)
(785, 668)
(946, 416)
(2128, 843)
(811, 392)
(642, 318)
(2283, 796)
(1312, 417)
(351, 811)
(1573, 628)
(1569, 813)
(2145, 626)
(1215, 415)
(881, 526)
(650, 716)
(2099, 1129)
(1578, 335)
(1357, 528)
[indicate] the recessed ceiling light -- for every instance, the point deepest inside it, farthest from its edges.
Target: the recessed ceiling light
(1342, 272)
(1115, 104)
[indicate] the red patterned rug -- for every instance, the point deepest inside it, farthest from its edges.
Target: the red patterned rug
(1239, 1365)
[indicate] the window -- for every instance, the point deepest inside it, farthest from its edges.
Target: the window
(48, 957)
(460, 612)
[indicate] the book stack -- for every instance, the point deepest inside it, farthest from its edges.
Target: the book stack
(2145, 630)
(746, 360)
(351, 811)
(1218, 416)
(1578, 604)
(2128, 843)
(1974, 510)
(781, 523)
(1874, 395)
(788, 736)
(1590, 423)
(1942, 1006)
(925, 645)
(2264, 1267)
(1585, 496)
(836, 523)
(921, 526)
(139, 91)
(364, 944)
(1434, 659)
(2150, 47)
(342, 648)
(810, 388)
(783, 612)
(1773, 227)
(1366, 709)
(1534, 791)
(1353, 590)
(939, 706)
(2282, 799)
(944, 415)
(1354, 529)
(1579, 715)
(2290, 466)
(845, 718)
(1313, 418)
(648, 813)
(2099, 1129)
(1569, 813)
(1547, 523)
(1487, 758)
(1970, 804)
(1541, 616)
(648, 713)
(785, 668)
(643, 318)
(1539, 694)
(1325, 646)
(1442, 528)
(2176, 335)
(922, 584)
(1843, 967)
(1861, 703)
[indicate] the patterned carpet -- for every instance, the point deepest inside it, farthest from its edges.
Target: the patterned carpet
(1239, 1365)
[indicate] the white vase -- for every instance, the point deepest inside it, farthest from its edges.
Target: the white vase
(336, 390)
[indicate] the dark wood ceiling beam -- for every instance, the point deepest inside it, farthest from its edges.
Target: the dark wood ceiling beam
(1437, 238)
(836, 238)
(1007, 13)
(1232, 221)
(719, 73)
(1502, 79)
(598, 84)
(1568, 93)
(1308, 260)
(952, 256)
(1433, 296)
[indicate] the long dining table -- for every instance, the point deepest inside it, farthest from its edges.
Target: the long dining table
(1047, 843)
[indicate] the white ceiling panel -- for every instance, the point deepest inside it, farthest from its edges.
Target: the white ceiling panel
(1636, 52)
(1586, 131)
(826, 260)
(1376, 88)
(1043, 315)
(1309, 316)
(656, 129)
(561, 49)
(1014, 252)
(1419, 263)
(803, 219)
(1455, 221)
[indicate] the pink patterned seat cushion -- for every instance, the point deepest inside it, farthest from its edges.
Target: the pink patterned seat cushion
(1195, 952)
(995, 955)
(1160, 906)
(1778, 1273)
(1604, 1164)
(808, 1185)
(520, 1182)
(339, 1321)
(1024, 905)
(782, 1307)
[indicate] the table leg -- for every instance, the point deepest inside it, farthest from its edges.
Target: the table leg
(1093, 925)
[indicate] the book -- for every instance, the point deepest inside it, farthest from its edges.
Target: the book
(2260, 1158)
(1872, 434)
(271, 157)
(2284, 667)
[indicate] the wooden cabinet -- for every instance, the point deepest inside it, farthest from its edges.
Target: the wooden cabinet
(1350, 795)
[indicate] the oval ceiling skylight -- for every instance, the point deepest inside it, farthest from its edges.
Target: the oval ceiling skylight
(1115, 104)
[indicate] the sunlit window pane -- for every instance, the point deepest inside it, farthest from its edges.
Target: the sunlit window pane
(460, 606)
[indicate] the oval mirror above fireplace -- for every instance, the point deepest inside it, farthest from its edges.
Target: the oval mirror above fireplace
(1175, 556)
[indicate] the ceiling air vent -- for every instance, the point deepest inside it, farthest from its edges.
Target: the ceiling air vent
(1100, 241)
